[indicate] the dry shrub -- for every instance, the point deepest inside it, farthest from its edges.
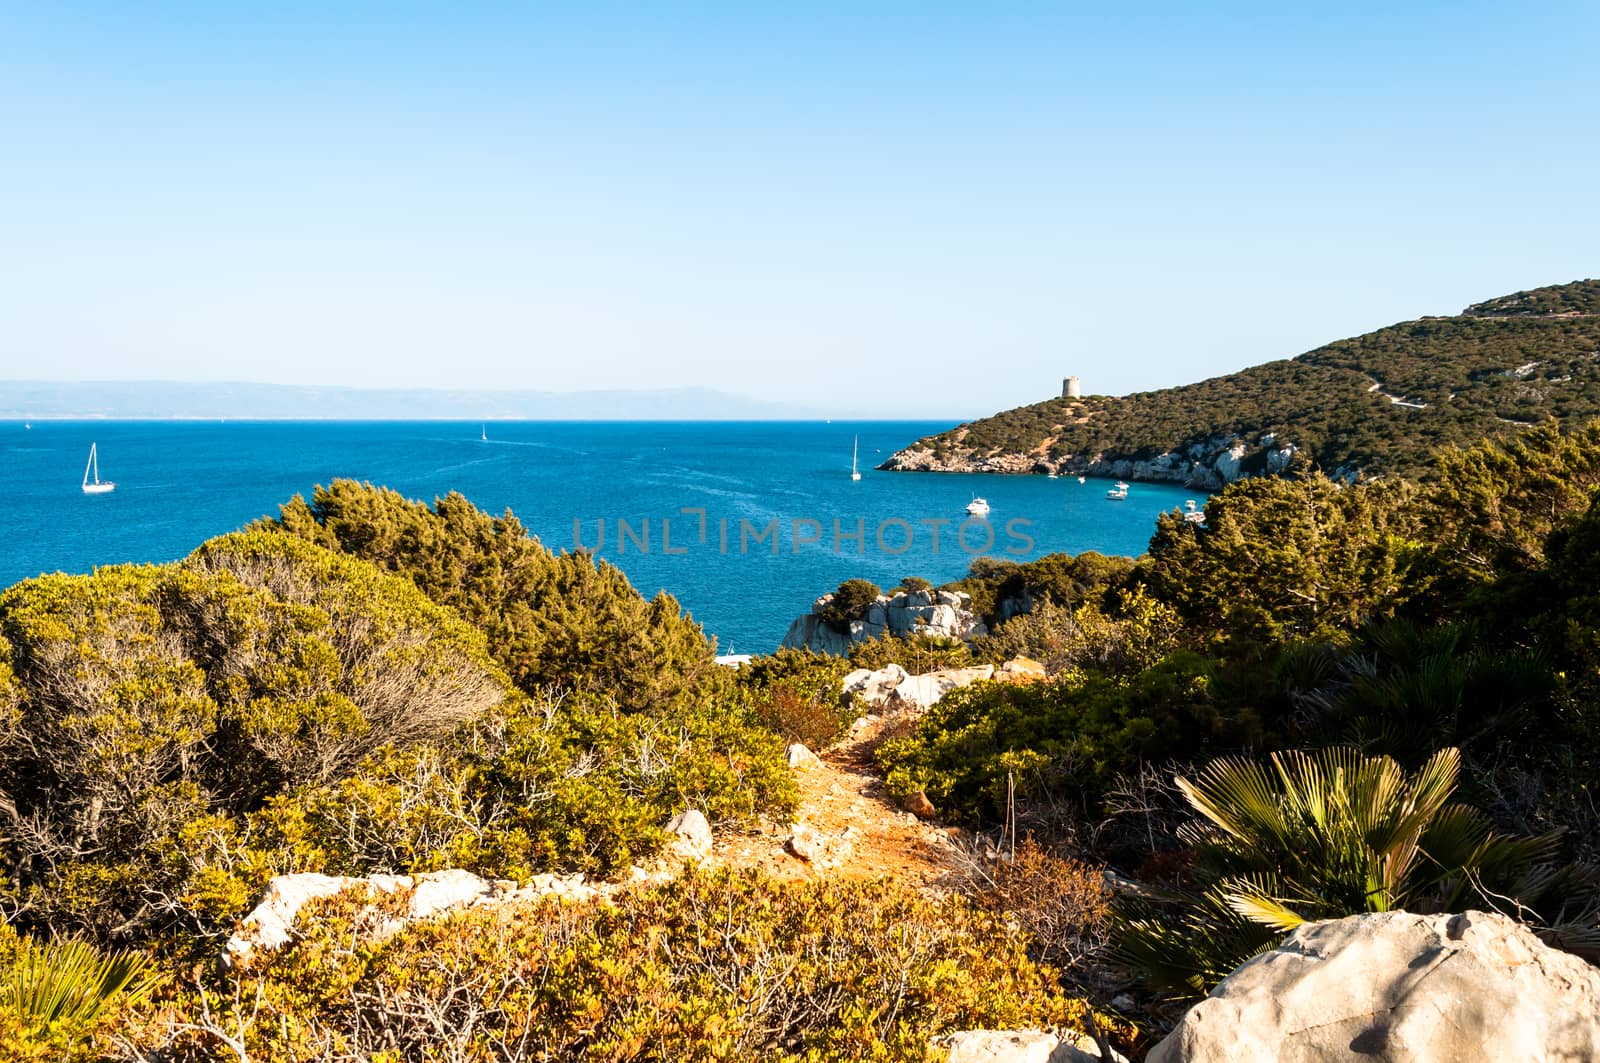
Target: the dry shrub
(1061, 902)
(814, 722)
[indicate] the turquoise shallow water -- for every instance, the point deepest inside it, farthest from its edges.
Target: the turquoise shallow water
(179, 483)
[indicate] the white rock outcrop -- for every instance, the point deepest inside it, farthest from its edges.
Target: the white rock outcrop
(270, 925)
(1395, 987)
(1227, 463)
(1207, 465)
(874, 687)
(893, 689)
(1020, 1046)
(691, 836)
(408, 899)
(919, 692)
(936, 613)
(801, 758)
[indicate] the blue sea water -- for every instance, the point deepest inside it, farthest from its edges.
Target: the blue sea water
(179, 483)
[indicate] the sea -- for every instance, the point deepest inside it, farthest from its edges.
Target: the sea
(745, 523)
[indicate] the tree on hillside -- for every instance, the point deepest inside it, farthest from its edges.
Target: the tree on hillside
(1496, 504)
(551, 619)
(1282, 558)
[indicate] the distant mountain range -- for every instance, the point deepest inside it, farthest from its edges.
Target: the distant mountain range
(1379, 404)
(163, 400)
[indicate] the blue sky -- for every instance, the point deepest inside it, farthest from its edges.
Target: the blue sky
(914, 209)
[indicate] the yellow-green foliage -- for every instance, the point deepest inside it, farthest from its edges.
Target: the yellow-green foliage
(146, 698)
(1074, 734)
(708, 967)
(551, 619)
(181, 733)
(573, 785)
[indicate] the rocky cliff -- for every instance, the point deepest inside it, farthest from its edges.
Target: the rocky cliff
(1208, 465)
(943, 614)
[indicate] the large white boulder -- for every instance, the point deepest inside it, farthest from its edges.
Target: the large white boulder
(691, 836)
(441, 891)
(1395, 987)
(801, 758)
(874, 687)
(917, 692)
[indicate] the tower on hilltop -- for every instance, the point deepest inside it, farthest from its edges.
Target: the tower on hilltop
(1070, 388)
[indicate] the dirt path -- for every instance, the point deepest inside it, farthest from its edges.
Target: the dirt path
(862, 831)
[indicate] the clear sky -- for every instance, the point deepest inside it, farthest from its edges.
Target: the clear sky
(918, 208)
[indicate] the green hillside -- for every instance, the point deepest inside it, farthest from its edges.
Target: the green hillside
(1380, 403)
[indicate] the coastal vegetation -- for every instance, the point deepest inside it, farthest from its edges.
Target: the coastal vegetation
(1382, 404)
(1326, 699)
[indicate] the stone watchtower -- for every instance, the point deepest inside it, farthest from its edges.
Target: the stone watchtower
(1070, 388)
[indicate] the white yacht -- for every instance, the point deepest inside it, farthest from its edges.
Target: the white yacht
(1118, 492)
(977, 507)
(92, 484)
(855, 450)
(1192, 512)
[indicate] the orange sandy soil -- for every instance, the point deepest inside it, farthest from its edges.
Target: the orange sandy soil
(845, 793)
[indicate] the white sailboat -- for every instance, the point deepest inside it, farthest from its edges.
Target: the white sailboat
(92, 484)
(855, 450)
(483, 432)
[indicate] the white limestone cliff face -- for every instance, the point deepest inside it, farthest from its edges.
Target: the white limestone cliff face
(1394, 987)
(945, 614)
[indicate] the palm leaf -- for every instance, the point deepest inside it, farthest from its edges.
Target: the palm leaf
(70, 982)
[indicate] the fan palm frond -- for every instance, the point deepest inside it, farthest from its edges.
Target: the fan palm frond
(70, 982)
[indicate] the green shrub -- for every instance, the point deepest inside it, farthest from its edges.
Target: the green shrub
(850, 602)
(552, 619)
(799, 695)
(1279, 559)
(147, 698)
(1071, 735)
(179, 734)
(915, 653)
